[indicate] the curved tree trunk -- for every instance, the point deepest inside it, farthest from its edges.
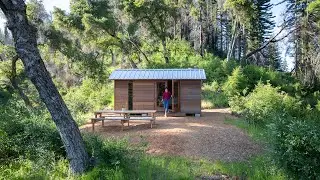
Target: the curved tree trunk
(25, 40)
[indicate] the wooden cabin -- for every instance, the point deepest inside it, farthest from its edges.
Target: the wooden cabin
(142, 89)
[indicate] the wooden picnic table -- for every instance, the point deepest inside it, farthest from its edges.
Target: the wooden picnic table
(125, 116)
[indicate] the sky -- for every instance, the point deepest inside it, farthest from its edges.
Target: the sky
(50, 4)
(277, 11)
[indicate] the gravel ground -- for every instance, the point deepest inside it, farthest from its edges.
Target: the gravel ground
(206, 137)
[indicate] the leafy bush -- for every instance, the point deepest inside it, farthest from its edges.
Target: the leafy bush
(296, 145)
(25, 134)
(90, 96)
(46, 167)
(262, 103)
(265, 100)
(235, 83)
(318, 106)
(212, 97)
(109, 152)
(236, 104)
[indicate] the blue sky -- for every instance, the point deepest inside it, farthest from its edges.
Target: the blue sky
(278, 11)
(62, 4)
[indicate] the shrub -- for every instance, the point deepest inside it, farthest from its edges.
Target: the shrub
(253, 75)
(27, 135)
(296, 145)
(235, 83)
(236, 104)
(90, 96)
(318, 106)
(265, 100)
(262, 103)
(212, 97)
(109, 152)
(213, 68)
(292, 106)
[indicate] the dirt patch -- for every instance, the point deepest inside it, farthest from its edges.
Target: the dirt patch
(196, 137)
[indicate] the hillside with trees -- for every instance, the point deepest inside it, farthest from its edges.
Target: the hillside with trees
(54, 70)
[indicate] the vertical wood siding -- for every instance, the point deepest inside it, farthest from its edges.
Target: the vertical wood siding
(190, 96)
(120, 94)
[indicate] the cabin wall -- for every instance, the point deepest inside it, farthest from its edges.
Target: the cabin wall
(190, 96)
(120, 94)
(144, 95)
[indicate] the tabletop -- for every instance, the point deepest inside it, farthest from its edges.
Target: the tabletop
(125, 111)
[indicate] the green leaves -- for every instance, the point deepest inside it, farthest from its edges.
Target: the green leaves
(296, 145)
(235, 83)
(314, 6)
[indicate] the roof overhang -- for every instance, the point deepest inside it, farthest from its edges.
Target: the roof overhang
(158, 74)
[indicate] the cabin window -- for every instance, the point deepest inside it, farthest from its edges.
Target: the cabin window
(130, 95)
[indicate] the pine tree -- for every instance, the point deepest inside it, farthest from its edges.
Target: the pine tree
(274, 58)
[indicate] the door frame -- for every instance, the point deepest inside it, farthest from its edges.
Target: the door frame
(174, 96)
(173, 108)
(157, 92)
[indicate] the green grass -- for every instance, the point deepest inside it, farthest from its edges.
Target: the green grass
(263, 166)
(150, 167)
(117, 159)
(134, 164)
(255, 132)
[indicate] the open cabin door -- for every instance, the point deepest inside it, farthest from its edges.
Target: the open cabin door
(175, 96)
(160, 86)
(174, 89)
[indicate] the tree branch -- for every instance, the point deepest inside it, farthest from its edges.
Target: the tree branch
(136, 46)
(272, 40)
(281, 2)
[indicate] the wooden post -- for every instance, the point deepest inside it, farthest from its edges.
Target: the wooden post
(154, 121)
(172, 100)
(178, 96)
(122, 124)
(100, 115)
(92, 121)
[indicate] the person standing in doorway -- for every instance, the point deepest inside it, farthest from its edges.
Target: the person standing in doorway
(165, 99)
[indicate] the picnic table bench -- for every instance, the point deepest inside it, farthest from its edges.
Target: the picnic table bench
(124, 116)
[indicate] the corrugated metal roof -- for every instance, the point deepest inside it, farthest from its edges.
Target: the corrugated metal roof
(145, 74)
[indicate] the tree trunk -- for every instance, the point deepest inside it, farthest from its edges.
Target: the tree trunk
(233, 39)
(239, 46)
(133, 64)
(14, 83)
(175, 28)
(165, 51)
(24, 35)
(113, 56)
(201, 33)
(221, 33)
(244, 37)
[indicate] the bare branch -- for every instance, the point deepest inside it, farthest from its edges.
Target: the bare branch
(281, 2)
(265, 44)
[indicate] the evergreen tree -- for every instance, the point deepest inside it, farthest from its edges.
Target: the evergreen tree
(274, 58)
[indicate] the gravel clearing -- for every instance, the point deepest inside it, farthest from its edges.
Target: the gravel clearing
(206, 137)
